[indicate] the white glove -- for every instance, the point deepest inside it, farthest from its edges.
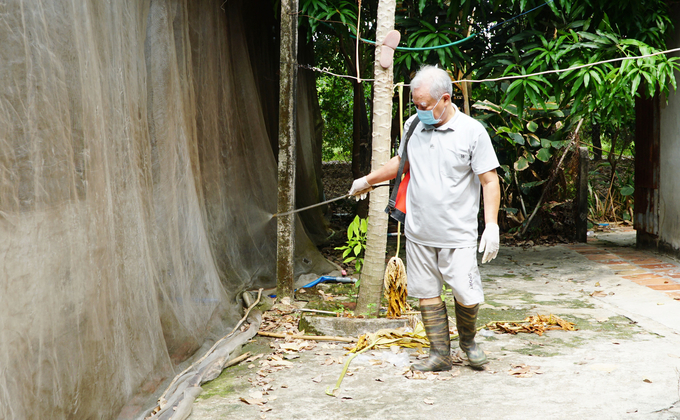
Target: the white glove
(360, 188)
(490, 242)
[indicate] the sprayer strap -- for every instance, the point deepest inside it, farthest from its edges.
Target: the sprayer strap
(402, 162)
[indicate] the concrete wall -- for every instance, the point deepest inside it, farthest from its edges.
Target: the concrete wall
(669, 186)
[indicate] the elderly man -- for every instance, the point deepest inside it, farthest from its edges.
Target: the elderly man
(450, 156)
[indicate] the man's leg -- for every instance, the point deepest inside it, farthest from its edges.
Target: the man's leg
(436, 322)
(466, 322)
(424, 280)
(460, 271)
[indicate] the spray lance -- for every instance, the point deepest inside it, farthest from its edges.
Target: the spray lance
(329, 201)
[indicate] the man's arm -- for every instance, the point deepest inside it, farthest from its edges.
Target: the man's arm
(491, 190)
(388, 171)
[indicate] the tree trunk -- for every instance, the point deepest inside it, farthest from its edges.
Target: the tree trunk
(373, 270)
(287, 140)
(596, 135)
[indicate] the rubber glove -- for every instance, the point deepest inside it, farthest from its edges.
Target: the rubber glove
(360, 188)
(490, 242)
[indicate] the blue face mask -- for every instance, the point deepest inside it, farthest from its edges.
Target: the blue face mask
(427, 117)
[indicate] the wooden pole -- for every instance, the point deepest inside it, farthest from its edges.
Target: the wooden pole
(285, 226)
(582, 196)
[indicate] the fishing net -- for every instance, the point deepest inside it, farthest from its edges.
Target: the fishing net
(137, 179)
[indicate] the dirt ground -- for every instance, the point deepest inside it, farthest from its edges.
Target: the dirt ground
(621, 362)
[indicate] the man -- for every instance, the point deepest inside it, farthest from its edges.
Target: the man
(450, 156)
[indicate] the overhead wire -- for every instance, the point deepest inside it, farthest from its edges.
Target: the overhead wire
(522, 76)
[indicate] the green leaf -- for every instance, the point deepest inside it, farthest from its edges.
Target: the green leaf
(627, 190)
(532, 126)
(543, 155)
(357, 249)
(635, 84)
(487, 106)
(517, 138)
(521, 164)
(533, 140)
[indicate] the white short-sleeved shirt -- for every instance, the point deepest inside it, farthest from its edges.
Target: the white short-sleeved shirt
(443, 194)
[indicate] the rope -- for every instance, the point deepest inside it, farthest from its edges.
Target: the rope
(521, 76)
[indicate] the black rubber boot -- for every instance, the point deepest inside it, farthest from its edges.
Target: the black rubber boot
(466, 322)
(436, 324)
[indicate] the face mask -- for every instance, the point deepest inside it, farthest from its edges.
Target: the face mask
(427, 117)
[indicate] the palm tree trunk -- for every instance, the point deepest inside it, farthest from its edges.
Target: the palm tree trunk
(373, 270)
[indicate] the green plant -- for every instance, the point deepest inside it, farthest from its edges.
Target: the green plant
(353, 250)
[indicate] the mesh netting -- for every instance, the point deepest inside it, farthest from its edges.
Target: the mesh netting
(137, 180)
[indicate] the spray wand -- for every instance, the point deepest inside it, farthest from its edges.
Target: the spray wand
(327, 201)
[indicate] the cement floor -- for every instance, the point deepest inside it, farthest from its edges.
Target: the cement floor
(622, 363)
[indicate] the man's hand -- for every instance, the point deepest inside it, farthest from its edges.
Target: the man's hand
(490, 242)
(360, 188)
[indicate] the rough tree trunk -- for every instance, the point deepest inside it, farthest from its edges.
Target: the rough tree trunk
(287, 141)
(373, 270)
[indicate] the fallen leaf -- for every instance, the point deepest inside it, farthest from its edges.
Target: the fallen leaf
(524, 371)
(264, 409)
(253, 358)
(272, 398)
(379, 380)
(428, 401)
(647, 380)
(597, 284)
(253, 401)
(255, 394)
(598, 293)
(673, 355)
(317, 379)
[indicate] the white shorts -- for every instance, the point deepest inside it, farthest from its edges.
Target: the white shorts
(428, 267)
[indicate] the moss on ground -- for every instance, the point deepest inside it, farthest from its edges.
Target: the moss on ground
(230, 380)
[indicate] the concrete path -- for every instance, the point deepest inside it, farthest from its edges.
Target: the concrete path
(622, 363)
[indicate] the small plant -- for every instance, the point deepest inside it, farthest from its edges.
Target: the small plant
(356, 243)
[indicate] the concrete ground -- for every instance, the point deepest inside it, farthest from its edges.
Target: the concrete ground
(623, 362)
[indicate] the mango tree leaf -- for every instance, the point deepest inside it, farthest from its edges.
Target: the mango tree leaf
(532, 126)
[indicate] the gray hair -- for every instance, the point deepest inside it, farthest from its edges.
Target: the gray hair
(438, 79)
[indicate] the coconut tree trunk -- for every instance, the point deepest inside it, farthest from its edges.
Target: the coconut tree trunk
(373, 271)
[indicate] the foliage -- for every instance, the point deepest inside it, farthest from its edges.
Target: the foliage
(610, 192)
(335, 100)
(353, 250)
(529, 118)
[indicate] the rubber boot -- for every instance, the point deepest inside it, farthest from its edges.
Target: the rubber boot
(466, 322)
(436, 324)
